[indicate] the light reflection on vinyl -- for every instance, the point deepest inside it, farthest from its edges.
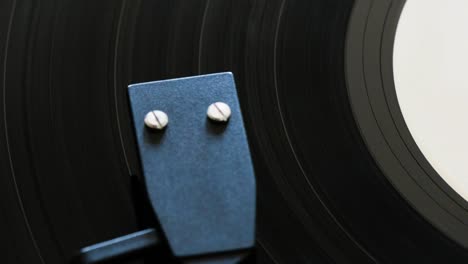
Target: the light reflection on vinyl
(431, 70)
(335, 181)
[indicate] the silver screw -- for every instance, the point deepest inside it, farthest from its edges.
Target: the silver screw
(156, 120)
(219, 112)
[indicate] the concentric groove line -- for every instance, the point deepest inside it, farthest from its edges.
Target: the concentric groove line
(20, 200)
(116, 103)
(393, 117)
(288, 138)
(267, 251)
(200, 42)
(379, 126)
(392, 149)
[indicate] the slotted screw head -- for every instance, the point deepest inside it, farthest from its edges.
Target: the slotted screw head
(156, 119)
(219, 112)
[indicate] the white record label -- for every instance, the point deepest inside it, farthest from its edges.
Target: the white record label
(431, 78)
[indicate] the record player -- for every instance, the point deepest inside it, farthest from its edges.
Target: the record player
(233, 131)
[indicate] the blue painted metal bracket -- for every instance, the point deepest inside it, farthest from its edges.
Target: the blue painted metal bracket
(198, 175)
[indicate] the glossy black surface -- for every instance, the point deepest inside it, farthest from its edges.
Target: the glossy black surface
(67, 148)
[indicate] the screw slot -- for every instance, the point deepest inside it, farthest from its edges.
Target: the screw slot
(219, 112)
(156, 120)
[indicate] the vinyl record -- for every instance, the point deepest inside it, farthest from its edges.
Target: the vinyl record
(340, 178)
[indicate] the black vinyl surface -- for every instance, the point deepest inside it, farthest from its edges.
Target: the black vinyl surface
(67, 150)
